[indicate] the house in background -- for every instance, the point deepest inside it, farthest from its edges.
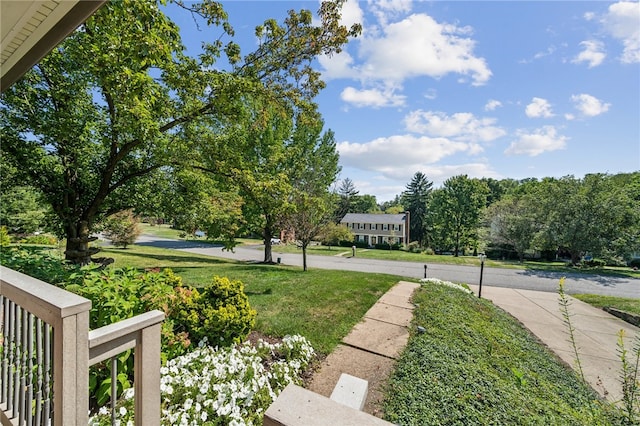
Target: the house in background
(375, 229)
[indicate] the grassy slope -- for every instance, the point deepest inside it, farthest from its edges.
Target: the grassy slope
(476, 365)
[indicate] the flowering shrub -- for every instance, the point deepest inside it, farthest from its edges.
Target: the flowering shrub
(222, 386)
(220, 309)
(436, 281)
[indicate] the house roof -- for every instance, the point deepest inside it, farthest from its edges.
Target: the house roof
(373, 218)
(32, 28)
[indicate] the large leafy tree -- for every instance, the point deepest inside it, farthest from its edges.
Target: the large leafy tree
(513, 222)
(119, 99)
(457, 209)
(415, 199)
(592, 215)
(22, 211)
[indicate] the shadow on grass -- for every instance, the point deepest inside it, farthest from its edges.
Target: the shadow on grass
(176, 259)
(178, 244)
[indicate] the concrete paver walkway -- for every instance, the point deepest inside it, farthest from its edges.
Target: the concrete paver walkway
(595, 333)
(371, 349)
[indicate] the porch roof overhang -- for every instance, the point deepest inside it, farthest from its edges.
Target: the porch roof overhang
(32, 28)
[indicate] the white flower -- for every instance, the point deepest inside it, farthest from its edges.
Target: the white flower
(123, 411)
(445, 283)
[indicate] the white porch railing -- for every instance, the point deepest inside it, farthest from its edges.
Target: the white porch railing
(46, 349)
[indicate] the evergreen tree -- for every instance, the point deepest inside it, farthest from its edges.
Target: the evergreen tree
(415, 199)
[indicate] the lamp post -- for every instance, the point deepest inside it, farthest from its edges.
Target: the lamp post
(482, 258)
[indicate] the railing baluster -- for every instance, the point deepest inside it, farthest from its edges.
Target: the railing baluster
(16, 365)
(39, 360)
(5, 349)
(114, 388)
(22, 404)
(47, 374)
(11, 349)
(30, 372)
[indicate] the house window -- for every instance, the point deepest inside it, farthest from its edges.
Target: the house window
(385, 227)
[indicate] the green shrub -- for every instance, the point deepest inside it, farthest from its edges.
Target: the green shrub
(219, 312)
(5, 240)
(634, 263)
(594, 263)
(122, 228)
(47, 240)
(385, 246)
(429, 251)
(39, 263)
(414, 247)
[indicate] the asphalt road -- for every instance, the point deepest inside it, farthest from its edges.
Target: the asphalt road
(495, 277)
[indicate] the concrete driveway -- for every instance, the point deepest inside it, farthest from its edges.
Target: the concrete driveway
(494, 277)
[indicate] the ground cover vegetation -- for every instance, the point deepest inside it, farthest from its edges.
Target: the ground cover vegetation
(473, 364)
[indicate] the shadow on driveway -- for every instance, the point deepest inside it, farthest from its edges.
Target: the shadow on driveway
(609, 280)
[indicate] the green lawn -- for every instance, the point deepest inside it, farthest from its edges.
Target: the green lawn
(476, 365)
(321, 305)
(621, 303)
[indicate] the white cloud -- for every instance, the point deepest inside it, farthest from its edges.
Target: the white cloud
(461, 126)
(398, 152)
(539, 108)
(431, 94)
(593, 53)
(351, 13)
(492, 104)
(589, 16)
(375, 98)
(420, 46)
(532, 144)
(384, 10)
(413, 47)
(589, 105)
(622, 21)
(337, 66)
(569, 117)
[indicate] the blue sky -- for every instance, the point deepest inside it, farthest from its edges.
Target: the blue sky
(489, 89)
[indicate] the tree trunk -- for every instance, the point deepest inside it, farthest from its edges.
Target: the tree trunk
(77, 250)
(268, 257)
(575, 258)
(304, 257)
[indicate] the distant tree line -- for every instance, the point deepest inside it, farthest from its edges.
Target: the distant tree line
(596, 216)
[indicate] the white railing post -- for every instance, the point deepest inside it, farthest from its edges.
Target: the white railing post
(71, 370)
(147, 377)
